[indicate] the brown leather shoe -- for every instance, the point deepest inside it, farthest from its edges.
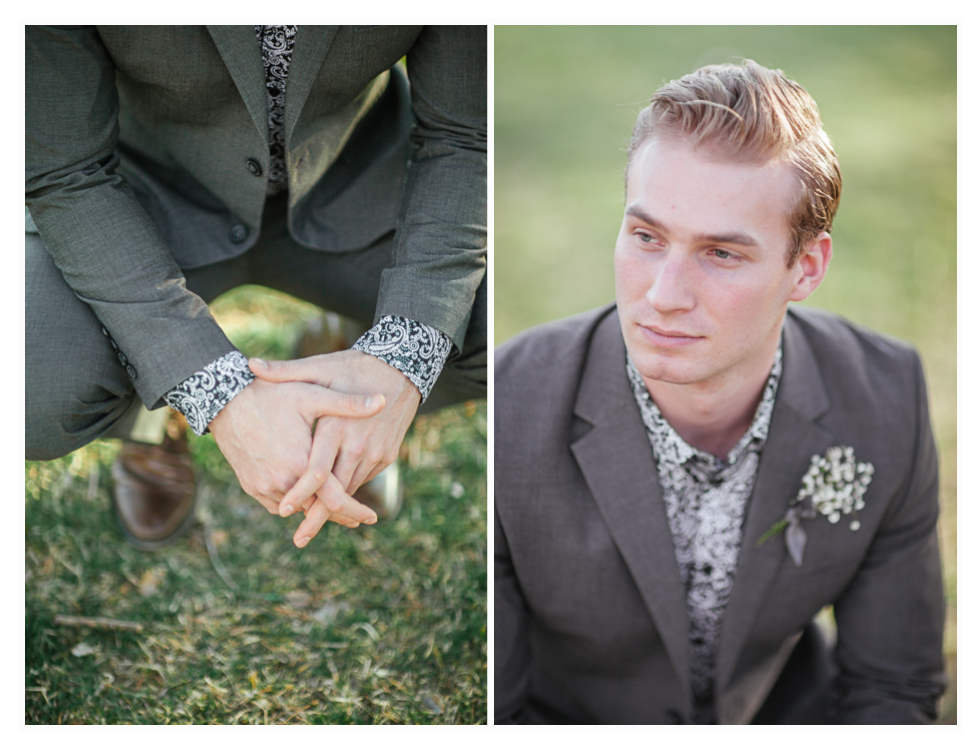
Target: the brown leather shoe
(383, 493)
(154, 491)
(326, 334)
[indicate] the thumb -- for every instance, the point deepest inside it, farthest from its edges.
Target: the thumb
(329, 403)
(284, 370)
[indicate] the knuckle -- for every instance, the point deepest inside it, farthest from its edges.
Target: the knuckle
(333, 501)
(275, 483)
(359, 445)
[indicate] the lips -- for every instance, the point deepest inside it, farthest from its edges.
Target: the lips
(672, 334)
(668, 338)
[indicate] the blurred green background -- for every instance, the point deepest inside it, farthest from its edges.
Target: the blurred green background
(566, 98)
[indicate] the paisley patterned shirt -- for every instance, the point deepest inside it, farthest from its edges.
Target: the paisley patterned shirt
(705, 500)
(277, 44)
(418, 351)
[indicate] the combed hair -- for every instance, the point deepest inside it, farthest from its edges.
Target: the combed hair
(748, 113)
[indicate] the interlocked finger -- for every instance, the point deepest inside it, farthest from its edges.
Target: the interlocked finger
(329, 403)
(332, 500)
(315, 477)
(338, 518)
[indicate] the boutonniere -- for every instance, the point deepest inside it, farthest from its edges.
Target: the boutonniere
(833, 487)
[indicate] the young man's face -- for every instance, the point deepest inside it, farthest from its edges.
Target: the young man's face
(701, 277)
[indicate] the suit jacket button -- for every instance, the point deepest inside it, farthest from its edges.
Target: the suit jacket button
(238, 233)
(105, 332)
(254, 167)
(673, 717)
(131, 371)
(123, 359)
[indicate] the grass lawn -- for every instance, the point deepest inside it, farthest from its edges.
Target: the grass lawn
(380, 625)
(565, 102)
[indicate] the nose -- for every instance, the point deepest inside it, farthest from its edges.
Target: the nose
(671, 290)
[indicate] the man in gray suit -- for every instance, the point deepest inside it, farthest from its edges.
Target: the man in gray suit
(684, 479)
(166, 165)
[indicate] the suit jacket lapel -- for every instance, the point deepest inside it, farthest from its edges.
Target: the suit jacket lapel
(617, 461)
(311, 46)
(240, 50)
(793, 438)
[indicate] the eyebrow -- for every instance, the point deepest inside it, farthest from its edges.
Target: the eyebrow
(731, 238)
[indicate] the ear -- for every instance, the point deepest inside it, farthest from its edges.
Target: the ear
(811, 267)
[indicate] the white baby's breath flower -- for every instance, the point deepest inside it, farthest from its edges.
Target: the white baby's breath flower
(838, 491)
(834, 485)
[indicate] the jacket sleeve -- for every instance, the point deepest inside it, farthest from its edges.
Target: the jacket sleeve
(440, 251)
(99, 236)
(890, 620)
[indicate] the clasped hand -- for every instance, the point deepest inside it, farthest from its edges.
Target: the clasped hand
(308, 433)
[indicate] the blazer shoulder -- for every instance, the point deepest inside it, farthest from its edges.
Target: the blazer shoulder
(859, 364)
(536, 380)
(548, 351)
(828, 330)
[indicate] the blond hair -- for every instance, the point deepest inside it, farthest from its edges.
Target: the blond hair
(751, 114)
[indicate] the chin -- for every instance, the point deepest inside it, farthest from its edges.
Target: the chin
(665, 369)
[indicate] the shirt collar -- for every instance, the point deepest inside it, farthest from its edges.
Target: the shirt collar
(671, 449)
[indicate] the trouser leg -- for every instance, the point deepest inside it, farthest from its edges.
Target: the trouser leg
(75, 388)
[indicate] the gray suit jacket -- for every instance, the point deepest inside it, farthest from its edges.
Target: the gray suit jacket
(590, 617)
(142, 148)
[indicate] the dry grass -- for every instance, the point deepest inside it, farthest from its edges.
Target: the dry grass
(374, 625)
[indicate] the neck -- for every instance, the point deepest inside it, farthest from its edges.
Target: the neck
(713, 415)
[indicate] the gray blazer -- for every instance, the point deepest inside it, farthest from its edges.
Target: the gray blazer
(590, 618)
(147, 151)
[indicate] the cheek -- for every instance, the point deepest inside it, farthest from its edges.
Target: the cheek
(634, 274)
(743, 310)
(625, 271)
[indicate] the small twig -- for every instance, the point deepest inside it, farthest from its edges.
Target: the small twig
(104, 623)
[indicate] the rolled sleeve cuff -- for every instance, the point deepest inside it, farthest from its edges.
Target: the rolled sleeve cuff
(201, 396)
(418, 351)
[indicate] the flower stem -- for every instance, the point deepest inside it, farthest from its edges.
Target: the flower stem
(775, 529)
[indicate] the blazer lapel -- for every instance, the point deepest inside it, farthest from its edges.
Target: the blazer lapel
(793, 438)
(240, 50)
(311, 46)
(617, 462)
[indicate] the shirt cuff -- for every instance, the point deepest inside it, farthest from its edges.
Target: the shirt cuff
(418, 351)
(200, 397)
